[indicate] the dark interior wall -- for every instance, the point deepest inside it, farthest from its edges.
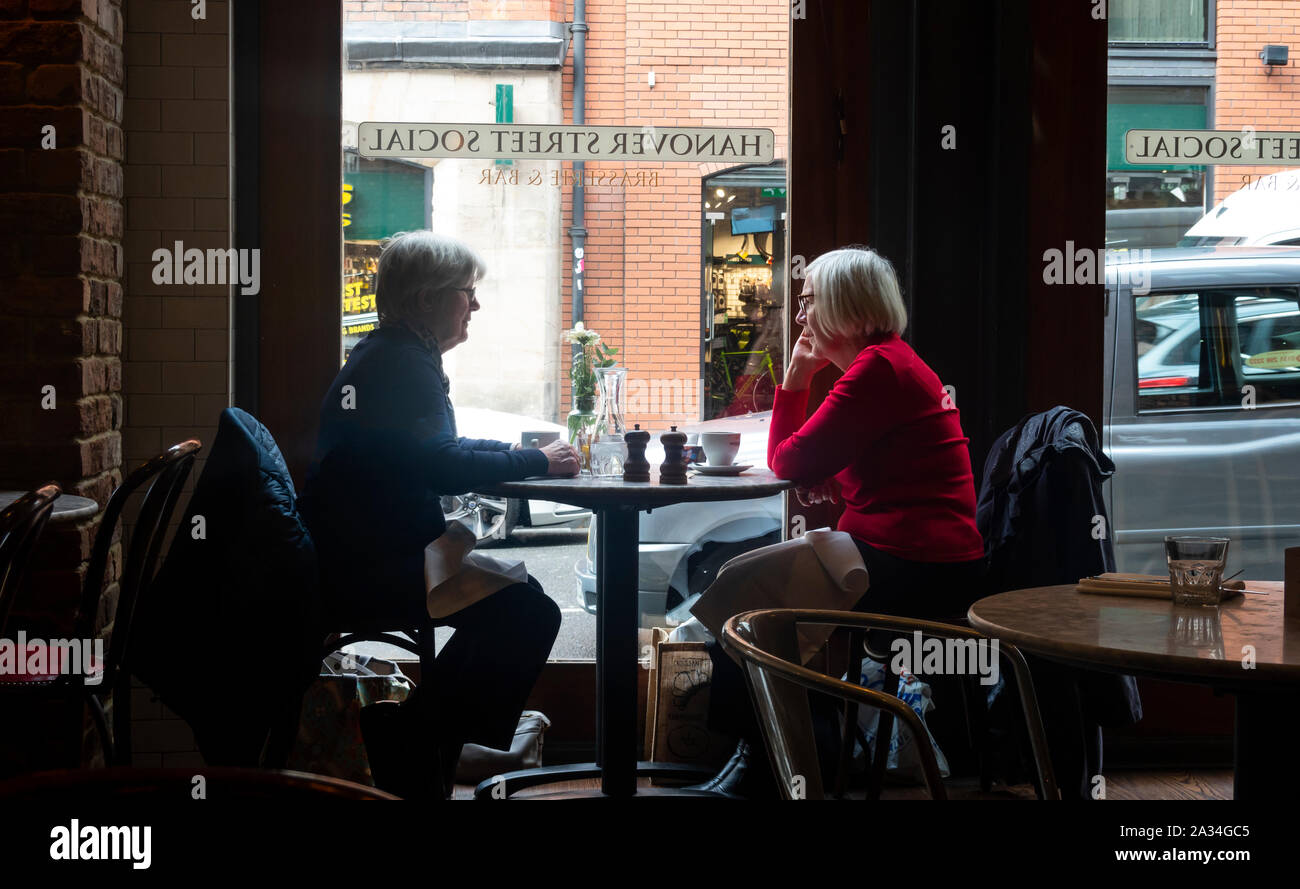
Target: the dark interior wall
(1023, 87)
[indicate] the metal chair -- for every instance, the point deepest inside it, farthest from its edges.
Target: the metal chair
(164, 476)
(766, 643)
(21, 525)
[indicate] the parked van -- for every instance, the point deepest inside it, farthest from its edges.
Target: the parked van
(1203, 408)
(1264, 212)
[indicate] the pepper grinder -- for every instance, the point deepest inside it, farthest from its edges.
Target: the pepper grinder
(673, 471)
(637, 467)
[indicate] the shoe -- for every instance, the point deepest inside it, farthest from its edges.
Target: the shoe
(746, 775)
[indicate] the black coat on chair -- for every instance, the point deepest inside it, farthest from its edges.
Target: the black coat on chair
(229, 635)
(1044, 522)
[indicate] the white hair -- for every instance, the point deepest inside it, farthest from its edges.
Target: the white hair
(421, 260)
(855, 292)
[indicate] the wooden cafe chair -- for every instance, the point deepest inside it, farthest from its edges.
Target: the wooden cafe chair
(162, 479)
(21, 524)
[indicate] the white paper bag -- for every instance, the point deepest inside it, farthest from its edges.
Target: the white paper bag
(456, 577)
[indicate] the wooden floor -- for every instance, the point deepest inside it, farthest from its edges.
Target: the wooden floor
(1147, 784)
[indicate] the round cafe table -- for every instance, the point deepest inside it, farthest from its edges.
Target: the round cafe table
(616, 505)
(1244, 647)
(67, 508)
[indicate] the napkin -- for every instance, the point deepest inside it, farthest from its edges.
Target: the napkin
(456, 577)
(823, 569)
(1151, 586)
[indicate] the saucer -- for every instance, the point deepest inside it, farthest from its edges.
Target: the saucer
(732, 469)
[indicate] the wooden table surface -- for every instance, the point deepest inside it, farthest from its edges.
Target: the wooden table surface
(1151, 637)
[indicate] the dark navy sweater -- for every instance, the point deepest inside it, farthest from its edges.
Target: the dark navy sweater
(386, 451)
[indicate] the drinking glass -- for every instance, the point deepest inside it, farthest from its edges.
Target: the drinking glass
(1196, 568)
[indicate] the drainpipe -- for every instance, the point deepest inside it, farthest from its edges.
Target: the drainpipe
(577, 230)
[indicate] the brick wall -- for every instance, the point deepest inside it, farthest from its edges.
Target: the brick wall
(177, 336)
(643, 273)
(60, 275)
(1244, 93)
(60, 294)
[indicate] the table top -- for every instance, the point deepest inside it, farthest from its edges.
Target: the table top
(68, 508)
(593, 492)
(1151, 637)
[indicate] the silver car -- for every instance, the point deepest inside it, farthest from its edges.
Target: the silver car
(1203, 407)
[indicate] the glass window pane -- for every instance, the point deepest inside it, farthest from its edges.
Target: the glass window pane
(1156, 21)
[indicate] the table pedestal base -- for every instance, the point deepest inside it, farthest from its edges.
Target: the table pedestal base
(1263, 744)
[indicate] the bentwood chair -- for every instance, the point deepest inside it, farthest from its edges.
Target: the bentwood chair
(162, 478)
(766, 642)
(21, 525)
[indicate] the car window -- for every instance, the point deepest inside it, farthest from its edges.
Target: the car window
(1271, 354)
(1229, 348)
(1167, 346)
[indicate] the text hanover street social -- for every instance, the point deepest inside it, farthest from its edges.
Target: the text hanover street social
(748, 145)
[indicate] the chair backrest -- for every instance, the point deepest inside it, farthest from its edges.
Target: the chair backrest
(164, 476)
(767, 643)
(21, 524)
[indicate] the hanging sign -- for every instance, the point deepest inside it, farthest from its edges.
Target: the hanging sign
(730, 145)
(1185, 147)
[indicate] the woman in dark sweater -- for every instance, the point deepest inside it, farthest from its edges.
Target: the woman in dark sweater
(387, 450)
(888, 439)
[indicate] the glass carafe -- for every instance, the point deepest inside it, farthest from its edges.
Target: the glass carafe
(609, 451)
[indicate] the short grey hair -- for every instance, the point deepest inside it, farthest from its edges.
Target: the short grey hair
(412, 262)
(856, 293)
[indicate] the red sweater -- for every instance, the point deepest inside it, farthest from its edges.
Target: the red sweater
(899, 455)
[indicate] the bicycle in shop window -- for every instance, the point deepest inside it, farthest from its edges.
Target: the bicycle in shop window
(742, 382)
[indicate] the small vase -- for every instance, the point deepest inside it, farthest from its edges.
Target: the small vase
(582, 424)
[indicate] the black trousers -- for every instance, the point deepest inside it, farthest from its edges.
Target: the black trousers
(900, 587)
(487, 669)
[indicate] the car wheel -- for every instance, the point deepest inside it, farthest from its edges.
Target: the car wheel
(490, 518)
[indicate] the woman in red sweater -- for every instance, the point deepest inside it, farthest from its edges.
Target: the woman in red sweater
(888, 440)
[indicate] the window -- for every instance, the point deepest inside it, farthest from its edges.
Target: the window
(1218, 348)
(1150, 206)
(1158, 21)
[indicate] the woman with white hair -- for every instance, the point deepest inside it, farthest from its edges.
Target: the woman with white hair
(888, 440)
(387, 451)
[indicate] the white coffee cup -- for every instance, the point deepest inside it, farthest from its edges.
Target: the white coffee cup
(537, 439)
(720, 447)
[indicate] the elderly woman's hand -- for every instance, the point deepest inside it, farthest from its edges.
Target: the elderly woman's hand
(805, 361)
(827, 491)
(562, 458)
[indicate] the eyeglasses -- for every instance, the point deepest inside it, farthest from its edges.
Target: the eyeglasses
(468, 291)
(804, 302)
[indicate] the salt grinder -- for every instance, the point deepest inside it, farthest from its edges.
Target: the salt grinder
(673, 471)
(637, 467)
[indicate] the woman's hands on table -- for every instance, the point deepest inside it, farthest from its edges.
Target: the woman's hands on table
(562, 459)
